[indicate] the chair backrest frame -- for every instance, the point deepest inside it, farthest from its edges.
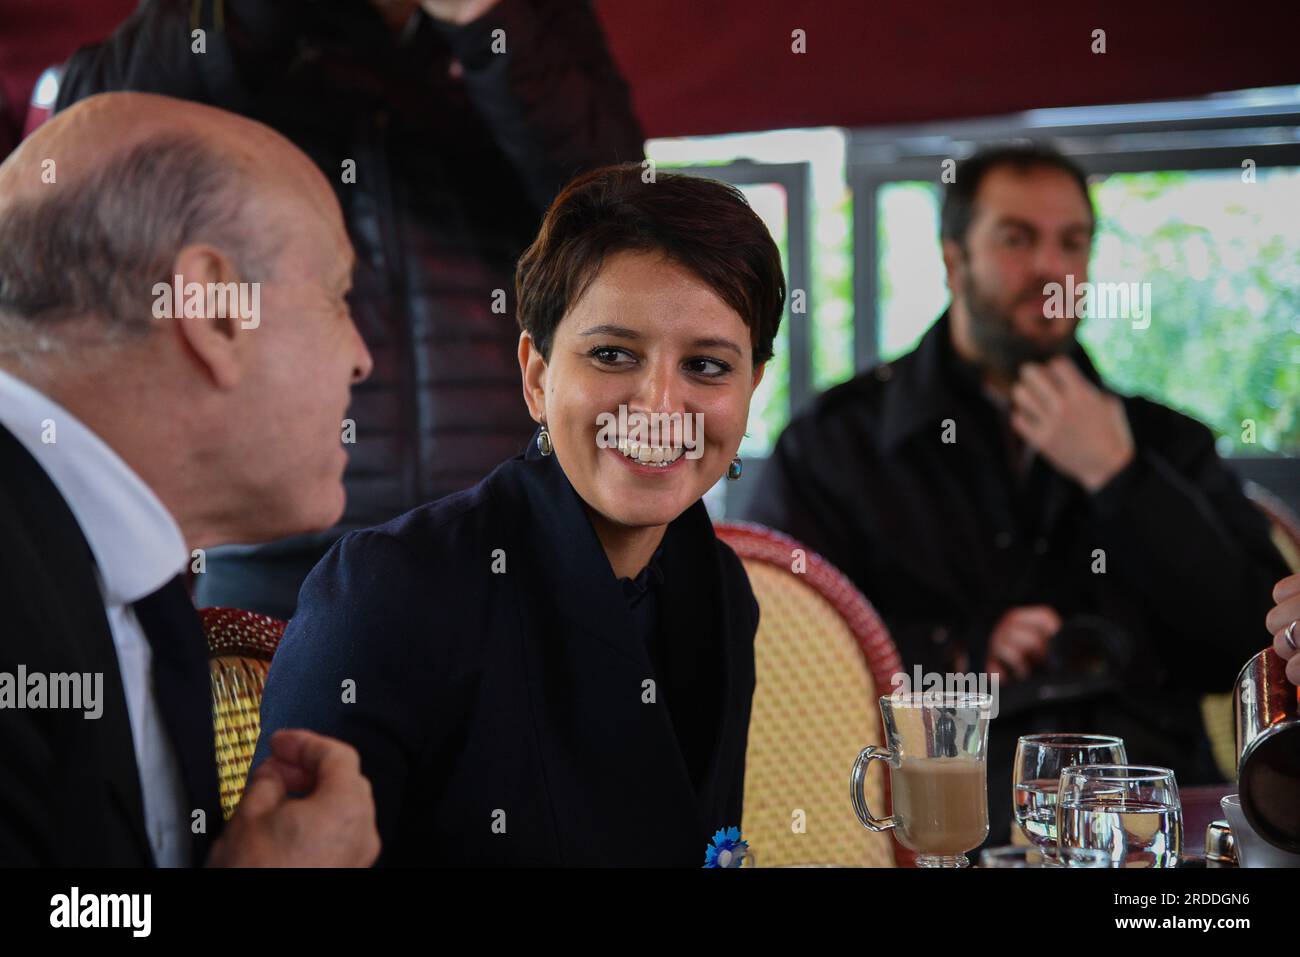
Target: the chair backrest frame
(753, 542)
(241, 645)
(1284, 521)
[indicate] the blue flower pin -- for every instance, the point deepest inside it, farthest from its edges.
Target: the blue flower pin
(727, 849)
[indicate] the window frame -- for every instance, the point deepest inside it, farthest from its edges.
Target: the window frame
(1210, 133)
(796, 180)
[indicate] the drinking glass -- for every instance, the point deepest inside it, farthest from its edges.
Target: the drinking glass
(1131, 812)
(936, 754)
(1032, 856)
(1040, 759)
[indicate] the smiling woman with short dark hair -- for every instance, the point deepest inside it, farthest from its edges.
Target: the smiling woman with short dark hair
(556, 666)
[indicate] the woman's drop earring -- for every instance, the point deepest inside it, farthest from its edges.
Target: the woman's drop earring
(544, 441)
(733, 470)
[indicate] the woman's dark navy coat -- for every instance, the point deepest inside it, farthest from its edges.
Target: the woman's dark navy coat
(479, 654)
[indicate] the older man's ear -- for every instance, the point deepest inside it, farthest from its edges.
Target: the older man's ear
(214, 333)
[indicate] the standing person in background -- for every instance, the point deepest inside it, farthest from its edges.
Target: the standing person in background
(445, 128)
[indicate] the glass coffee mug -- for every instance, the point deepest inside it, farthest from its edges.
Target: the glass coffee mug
(937, 772)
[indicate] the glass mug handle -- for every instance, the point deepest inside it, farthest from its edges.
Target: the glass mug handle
(858, 783)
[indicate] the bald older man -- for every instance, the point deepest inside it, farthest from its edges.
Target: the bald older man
(142, 418)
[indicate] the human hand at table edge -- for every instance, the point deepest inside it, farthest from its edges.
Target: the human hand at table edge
(1284, 614)
(1020, 639)
(332, 825)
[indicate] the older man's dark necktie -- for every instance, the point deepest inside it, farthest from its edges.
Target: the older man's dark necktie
(183, 689)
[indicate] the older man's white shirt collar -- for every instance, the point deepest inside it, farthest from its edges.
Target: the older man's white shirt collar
(136, 543)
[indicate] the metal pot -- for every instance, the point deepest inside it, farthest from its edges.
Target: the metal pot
(1267, 710)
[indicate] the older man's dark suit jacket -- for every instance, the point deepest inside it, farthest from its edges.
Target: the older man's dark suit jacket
(479, 653)
(69, 787)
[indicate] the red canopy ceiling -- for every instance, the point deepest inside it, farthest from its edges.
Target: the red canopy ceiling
(716, 66)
